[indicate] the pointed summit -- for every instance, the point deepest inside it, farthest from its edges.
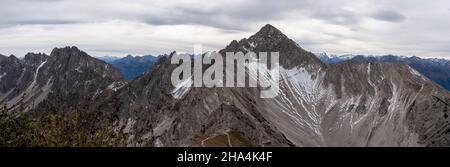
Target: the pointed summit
(13, 58)
(269, 35)
(268, 26)
(129, 57)
(269, 31)
(270, 39)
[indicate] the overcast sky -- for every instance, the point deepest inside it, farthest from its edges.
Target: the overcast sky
(121, 27)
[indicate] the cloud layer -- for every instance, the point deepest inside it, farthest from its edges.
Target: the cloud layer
(119, 27)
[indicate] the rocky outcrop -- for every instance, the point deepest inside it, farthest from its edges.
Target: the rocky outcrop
(53, 83)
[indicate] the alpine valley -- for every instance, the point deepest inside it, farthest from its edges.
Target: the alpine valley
(351, 103)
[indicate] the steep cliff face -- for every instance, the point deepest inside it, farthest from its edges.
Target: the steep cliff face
(349, 104)
(18, 77)
(53, 83)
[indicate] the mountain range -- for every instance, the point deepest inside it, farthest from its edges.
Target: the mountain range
(54, 83)
(131, 66)
(108, 59)
(341, 104)
(438, 70)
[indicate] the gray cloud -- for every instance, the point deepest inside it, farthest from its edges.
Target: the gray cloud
(226, 15)
(158, 26)
(222, 14)
(391, 16)
(338, 16)
(7, 22)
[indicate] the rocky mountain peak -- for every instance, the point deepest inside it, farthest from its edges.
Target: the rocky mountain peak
(35, 58)
(32, 55)
(269, 32)
(271, 39)
(39, 81)
(73, 60)
(13, 59)
(68, 52)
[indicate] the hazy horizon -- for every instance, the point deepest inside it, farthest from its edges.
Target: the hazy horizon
(156, 55)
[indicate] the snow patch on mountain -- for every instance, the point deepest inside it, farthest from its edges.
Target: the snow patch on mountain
(182, 88)
(129, 125)
(33, 84)
(162, 126)
(2, 75)
(78, 69)
(117, 85)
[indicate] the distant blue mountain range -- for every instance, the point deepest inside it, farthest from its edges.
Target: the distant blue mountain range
(131, 66)
(108, 59)
(437, 70)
